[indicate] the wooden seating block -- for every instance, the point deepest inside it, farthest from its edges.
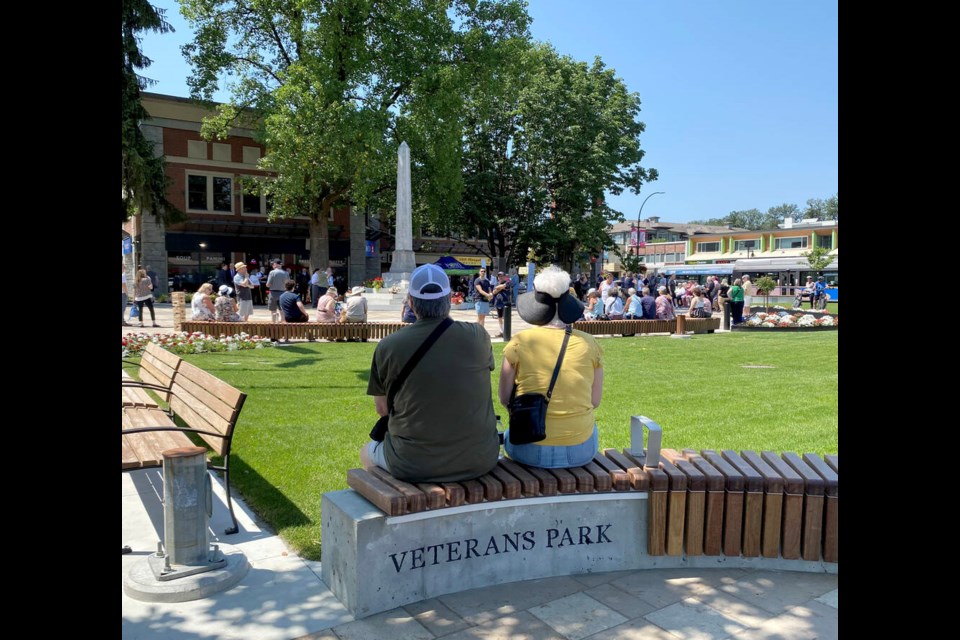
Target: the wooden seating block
(753, 503)
(548, 481)
(601, 479)
(382, 495)
(511, 486)
(456, 496)
(528, 483)
(492, 489)
(584, 479)
(566, 482)
(833, 461)
(434, 493)
(792, 522)
(619, 479)
(473, 491)
(416, 500)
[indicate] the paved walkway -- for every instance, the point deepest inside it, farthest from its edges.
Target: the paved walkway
(282, 597)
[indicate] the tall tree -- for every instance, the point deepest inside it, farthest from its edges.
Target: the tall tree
(776, 215)
(338, 84)
(143, 182)
(540, 161)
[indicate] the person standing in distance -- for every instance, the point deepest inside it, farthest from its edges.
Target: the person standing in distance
(276, 283)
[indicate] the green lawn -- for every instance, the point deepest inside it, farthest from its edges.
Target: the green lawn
(307, 414)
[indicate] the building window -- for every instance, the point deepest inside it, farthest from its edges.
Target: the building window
(825, 242)
(197, 192)
(209, 193)
(746, 245)
(222, 194)
(708, 247)
(197, 149)
(796, 242)
(252, 198)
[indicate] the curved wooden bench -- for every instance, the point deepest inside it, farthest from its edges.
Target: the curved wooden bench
(681, 324)
(387, 543)
(297, 330)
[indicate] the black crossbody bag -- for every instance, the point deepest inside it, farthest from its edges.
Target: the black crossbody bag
(528, 412)
(379, 431)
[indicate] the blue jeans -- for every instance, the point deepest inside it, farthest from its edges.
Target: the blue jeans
(552, 457)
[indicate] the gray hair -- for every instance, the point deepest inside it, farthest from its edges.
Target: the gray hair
(646, 291)
(423, 309)
(332, 290)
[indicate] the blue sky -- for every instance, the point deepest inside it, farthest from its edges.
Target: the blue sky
(740, 98)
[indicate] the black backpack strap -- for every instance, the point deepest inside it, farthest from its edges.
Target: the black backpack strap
(415, 360)
(556, 369)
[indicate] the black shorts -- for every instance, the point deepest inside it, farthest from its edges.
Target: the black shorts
(500, 311)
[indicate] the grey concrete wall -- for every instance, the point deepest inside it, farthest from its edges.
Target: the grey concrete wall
(374, 563)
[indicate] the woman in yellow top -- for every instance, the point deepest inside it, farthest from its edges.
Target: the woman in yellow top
(529, 360)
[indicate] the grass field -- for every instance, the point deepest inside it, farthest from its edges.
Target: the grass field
(307, 413)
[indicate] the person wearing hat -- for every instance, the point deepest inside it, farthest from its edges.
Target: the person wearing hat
(356, 306)
(276, 284)
(529, 360)
(441, 425)
(244, 289)
(592, 308)
(291, 308)
(225, 307)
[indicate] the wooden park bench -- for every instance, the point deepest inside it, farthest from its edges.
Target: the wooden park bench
(682, 324)
(627, 509)
(199, 403)
(297, 330)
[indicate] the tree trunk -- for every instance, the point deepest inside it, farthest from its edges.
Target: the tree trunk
(320, 240)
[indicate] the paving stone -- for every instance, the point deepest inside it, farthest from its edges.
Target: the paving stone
(578, 616)
(620, 601)
(812, 621)
(326, 634)
(514, 626)
(663, 588)
(436, 617)
(396, 624)
(691, 619)
(831, 598)
(479, 606)
(776, 591)
(594, 579)
(636, 629)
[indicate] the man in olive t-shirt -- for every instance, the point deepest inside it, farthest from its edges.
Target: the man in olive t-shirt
(442, 427)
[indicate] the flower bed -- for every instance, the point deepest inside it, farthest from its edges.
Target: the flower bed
(181, 343)
(784, 320)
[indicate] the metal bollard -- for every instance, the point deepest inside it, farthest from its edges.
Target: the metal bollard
(507, 322)
(187, 504)
(726, 315)
(187, 507)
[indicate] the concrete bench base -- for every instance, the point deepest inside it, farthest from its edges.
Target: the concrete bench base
(373, 562)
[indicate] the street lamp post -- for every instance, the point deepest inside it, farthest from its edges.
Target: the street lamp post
(640, 213)
(203, 245)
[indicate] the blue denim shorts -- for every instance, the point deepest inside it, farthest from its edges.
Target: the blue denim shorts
(483, 308)
(552, 457)
(375, 449)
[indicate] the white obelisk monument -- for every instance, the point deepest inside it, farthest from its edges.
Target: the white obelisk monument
(404, 261)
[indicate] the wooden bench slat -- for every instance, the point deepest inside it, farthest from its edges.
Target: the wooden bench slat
(382, 495)
(584, 479)
(548, 481)
(492, 488)
(620, 479)
(456, 496)
(511, 486)
(601, 478)
(529, 484)
(473, 491)
(416, 500)
(436, 496)
(566, 482)
(833, 460)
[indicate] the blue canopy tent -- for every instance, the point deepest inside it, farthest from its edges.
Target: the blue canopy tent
(453, 267)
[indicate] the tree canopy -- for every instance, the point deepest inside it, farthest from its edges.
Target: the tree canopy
(143, 181)
(337, 85)
(542, 150)
(754, 219)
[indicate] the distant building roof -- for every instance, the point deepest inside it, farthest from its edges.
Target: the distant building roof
(677, 227)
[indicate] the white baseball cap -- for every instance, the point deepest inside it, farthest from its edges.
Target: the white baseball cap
(429, 282)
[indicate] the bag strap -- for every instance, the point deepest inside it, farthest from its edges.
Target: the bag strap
(556, 370)
(415, 360)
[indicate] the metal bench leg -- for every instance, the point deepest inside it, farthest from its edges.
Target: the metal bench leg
(226, 481)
